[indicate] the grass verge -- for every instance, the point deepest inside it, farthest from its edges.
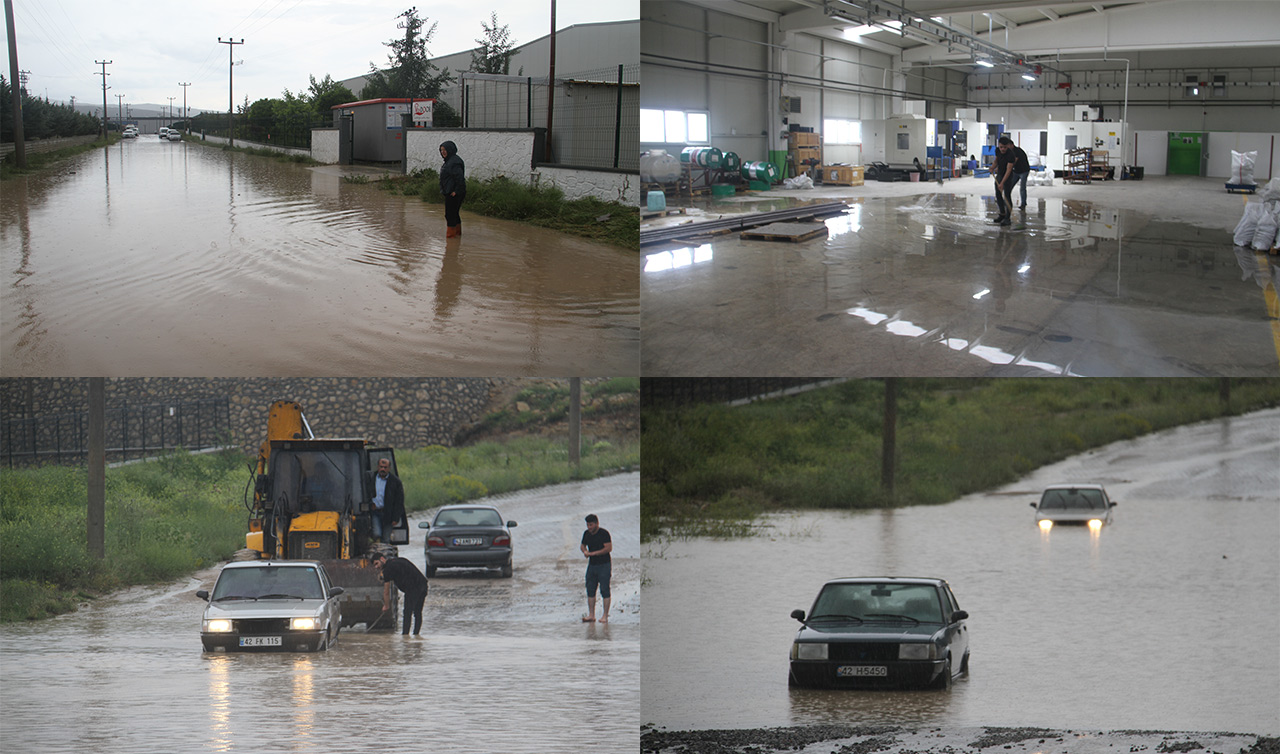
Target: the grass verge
(709, 470)
(40, 161)
(184, 512)
(299, 159)
(608, 222)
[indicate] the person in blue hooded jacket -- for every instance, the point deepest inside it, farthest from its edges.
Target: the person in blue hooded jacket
(453, 185)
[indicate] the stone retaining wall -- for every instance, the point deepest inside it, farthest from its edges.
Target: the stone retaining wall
(606, 185)
(401, 412)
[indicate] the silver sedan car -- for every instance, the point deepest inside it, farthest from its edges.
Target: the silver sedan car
(271, 605)
(1080, 504)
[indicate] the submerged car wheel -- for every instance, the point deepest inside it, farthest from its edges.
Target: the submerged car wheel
(429, 571)
(943, 681)
(964, 664)
(507, 570)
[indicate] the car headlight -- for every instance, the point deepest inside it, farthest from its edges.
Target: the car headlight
(1046, 524)
(807, 651)
(302, 624)
(1095, 524)
(217, 626)
(916, 652)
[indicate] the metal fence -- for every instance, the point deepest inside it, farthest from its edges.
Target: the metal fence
(595, 115)
(132, 431)
(684, 390)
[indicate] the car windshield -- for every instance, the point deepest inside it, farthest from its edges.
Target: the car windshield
(279, 581)
(1072, 499)
(468, 517)
(918, 602)
(306, 481)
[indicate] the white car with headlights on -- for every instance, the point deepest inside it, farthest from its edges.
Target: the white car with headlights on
(271, 605)
(883, 632)
(1078, 504)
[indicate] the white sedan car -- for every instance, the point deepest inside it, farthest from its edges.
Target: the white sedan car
(174, 135)
(1080, 504)
(271, 605)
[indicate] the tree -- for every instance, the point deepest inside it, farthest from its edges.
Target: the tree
(327, 93)
(411, 72)
(495, 50)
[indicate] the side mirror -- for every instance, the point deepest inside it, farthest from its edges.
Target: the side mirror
(424, 524)
(798, 615)
(959, 615)
(511, 524)
(203, 594)
(1033, 505)
(1114, 503)
(334, 591)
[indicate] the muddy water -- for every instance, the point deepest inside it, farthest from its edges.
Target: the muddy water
(154, 258)
(1163, 620)
(504, 665)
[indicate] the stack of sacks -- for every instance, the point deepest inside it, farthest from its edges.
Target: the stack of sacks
(1260, 226)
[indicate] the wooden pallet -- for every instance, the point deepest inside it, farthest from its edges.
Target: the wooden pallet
(794, 232)
(647, 214)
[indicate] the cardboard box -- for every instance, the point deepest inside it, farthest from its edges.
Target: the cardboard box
(802, 139)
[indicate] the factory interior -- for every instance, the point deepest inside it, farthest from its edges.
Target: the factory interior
(819, 188)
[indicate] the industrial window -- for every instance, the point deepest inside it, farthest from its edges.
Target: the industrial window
(1219, 85)
(674, 127)
(1193, 85)
(841, 131)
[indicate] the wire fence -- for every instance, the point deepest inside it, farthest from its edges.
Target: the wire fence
(595, 115)
(294, 132)
(685, 390)
(132, 432)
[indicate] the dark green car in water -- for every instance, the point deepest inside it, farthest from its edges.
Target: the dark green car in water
(883, 632)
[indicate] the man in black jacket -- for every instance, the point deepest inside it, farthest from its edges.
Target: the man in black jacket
(1011, 167)
(388, 500)
(453, 186)
(408, 579)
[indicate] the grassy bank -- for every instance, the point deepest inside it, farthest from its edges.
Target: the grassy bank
(40, 161)
(607, 222)
(184, 512)
(710, 469)
(300, 159)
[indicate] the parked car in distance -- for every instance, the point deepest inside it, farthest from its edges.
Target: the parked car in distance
(163, 132)
(883, 632)
(1079, 504)
(468, 536)
(271, 605)
(174, 135)
(129, 132)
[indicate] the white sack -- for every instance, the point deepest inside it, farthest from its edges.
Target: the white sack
(1269, 222)
(1248, 225)
(798, 182)
(1242, 167)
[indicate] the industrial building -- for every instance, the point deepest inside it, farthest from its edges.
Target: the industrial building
(1149, 128)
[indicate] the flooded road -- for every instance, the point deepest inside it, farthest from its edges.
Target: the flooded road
(154, 258)
(504, 665)
(1164, 620)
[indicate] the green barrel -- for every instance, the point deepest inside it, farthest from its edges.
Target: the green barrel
(731, 161)
(760, 171)
(707, 157)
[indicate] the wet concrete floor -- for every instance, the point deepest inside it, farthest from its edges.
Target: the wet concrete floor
(503, 665)
(156, 258)
(924, 285)
(1149, 624)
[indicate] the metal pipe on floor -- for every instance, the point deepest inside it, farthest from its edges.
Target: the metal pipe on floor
(741, 222)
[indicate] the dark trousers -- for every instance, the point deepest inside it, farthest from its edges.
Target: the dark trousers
(451, 206)
(413, 602)
(1004, 197)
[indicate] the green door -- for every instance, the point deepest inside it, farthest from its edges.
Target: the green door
(1185, 153)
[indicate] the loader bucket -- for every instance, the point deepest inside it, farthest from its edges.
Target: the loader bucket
(362, 594)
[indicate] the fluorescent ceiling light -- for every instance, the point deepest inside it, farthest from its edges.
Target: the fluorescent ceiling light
(986, 63)
(853, 32)
(1029, 76)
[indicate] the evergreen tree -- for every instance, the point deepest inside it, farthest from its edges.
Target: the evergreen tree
(411, 72)
(327, 93)
(495, 50)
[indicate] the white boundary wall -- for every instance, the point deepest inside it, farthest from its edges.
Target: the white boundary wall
(324, 145)
(605, 185)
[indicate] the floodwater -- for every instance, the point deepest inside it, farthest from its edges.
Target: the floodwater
(1163, 620)
(504, 665)
(926, 286)
(154, 258)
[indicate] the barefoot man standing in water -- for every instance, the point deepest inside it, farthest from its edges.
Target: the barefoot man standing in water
(596, 546)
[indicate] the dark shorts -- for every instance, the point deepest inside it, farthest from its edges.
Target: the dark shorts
(598, 576)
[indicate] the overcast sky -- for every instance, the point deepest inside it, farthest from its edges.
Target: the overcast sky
(155, 45)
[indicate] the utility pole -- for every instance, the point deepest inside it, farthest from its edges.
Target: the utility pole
(19, 145)
(231, 99)
(104, 75)
(97, 488)
(888, 453)
(119, 107)
(185, 118)
(575, 421)
(551, 84)
(171, 99)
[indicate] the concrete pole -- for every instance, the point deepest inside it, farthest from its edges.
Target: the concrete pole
(19, 145)
(97, 467)
(231, 98)
(575, 421)
(104, 75)
(888, 460)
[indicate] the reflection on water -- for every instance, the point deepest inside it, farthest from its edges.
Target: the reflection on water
(1151, 622)
(161, 258)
